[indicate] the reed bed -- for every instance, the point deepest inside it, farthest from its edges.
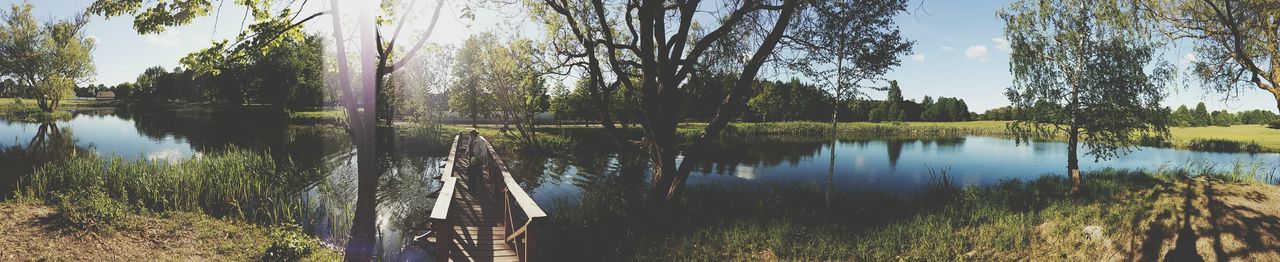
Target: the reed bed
(234, 183)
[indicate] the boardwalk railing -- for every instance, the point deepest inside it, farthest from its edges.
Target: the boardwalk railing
(520, 215)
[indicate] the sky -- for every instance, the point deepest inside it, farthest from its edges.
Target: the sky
(959, 47)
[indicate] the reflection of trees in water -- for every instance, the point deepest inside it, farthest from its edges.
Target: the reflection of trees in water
(773, 151)
(725, 157)
(610, 202)
(403, 196)
(50, 144)
(257, 129)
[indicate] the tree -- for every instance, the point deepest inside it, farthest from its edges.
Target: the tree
(1201, 116)
(646, 47)
(468, 97)
(1079, 67)
(48, 60)
(846, 42)
(292, 74)
(1236, 41)
(511, 73)
(123, 90)
(927, 114)
(358, 95)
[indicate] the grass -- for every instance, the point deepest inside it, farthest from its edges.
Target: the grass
(235, 183)
(10, 102)
(31, 114)
(1237, 138)
(119, 200)
(331, 116)
(33, 232)
(1012, 220)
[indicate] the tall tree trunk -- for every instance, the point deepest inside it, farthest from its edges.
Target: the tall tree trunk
(361, 246)
(1073, 161)
(661, 108)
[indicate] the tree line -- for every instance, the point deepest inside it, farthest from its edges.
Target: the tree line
(1199, 116)
(774, 101)
(290, 74)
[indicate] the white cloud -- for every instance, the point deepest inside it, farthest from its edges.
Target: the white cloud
(977, 52)
(917, 57)
(948, 48)
(170, 38)
(1001, 44)
(1190, 58)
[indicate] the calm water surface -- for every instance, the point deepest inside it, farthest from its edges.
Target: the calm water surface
(895, 165)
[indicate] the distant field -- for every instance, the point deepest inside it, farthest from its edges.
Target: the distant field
(1238, 138)
(8, 101)
(1267, 138)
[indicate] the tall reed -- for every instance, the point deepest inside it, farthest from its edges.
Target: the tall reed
(234, 183)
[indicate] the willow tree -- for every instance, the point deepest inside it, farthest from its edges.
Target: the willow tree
(1237, 43)
(1086, 69)
(47, 60)
(648, 48)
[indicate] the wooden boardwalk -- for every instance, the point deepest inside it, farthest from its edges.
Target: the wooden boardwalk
(479, 207)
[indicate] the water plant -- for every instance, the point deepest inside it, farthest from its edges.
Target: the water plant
(234, 183)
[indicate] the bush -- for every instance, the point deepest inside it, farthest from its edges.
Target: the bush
(92, 210)
(288, 243)
(1274, 124)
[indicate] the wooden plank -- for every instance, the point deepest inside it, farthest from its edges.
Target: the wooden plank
(486, 253)
(488, 258)
(441, 209)
(522, 199)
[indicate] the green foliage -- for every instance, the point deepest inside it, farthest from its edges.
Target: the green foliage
(1201, 117)
(789, 101)
(20, 113)
(288, 243)
(849, 44)
(946, 109)
(90, 209)
(47, 60)
(290, 74)
(573, 104)
(234, 183)
(468, 97)
(1231, 39)
(1103, 101)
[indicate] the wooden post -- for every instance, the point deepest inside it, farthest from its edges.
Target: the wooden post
(530, 240)
(444, 239)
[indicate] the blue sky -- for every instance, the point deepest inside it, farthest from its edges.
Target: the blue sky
(958, 52)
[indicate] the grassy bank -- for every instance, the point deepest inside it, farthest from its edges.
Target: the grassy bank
(235, 183)
(232, 194)
(1238, 138)
(36, 232)
(10, 102)
(1121, 215)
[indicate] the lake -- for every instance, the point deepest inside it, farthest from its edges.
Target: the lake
(893, 165)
